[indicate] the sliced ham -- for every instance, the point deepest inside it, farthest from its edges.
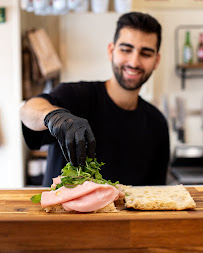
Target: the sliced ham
(92, 201)
(86, 197)
(56, 180)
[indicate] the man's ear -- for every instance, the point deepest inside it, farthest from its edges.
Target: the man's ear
(110, 50)
(157, 61)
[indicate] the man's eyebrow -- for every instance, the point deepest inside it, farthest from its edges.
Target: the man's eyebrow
(126, 45)
(148, 49)
(142, 49)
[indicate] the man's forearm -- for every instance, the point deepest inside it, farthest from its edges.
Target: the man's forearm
(34, 111)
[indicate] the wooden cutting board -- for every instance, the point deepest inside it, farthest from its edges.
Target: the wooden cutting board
(25, 227)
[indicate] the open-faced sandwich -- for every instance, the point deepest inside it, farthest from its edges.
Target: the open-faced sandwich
(80, 189)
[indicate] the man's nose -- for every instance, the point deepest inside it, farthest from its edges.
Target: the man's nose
(135, 60)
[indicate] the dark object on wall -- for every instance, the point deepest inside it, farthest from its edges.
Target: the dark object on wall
(47, 58)
(2, 15)
(40, 65)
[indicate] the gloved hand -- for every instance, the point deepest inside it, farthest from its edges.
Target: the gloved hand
(74, 135)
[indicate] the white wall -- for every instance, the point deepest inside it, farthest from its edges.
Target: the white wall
(83, 45)
(11, 162)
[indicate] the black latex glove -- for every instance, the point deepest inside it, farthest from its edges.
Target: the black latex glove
(74, 135)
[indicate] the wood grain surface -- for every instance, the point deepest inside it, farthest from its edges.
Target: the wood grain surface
(26, 227)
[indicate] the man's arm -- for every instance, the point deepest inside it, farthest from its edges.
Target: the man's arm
(73, 134)
(33, 112)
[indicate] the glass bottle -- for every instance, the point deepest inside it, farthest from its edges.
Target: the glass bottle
(200, 49)
(187, 49)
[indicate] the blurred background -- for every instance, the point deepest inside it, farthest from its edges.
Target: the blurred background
(45, 42)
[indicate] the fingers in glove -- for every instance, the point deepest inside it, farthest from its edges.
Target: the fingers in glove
(80, 147)
(70, 147)
(91, 142)
(64, 151)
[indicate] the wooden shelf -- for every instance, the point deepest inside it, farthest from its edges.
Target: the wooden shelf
(40, 154)
(191, 66)
(186, 71)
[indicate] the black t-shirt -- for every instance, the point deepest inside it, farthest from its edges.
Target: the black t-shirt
(134, 145)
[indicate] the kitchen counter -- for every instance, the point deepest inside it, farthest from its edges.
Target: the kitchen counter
(25, 227)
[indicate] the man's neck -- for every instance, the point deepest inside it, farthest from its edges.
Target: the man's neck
(125, 99)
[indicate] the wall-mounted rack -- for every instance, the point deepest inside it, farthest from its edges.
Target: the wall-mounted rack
(186, 71)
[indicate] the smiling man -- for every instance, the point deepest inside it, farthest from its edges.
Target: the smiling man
(133, 61)
(107, 119)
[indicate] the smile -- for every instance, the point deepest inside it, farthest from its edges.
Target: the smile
(132, 72)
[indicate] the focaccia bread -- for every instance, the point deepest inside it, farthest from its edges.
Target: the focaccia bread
(158, 197)
(59, 209)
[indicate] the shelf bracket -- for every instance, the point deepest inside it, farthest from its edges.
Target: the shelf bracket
(183, 75)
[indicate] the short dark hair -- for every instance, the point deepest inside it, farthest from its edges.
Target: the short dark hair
(139, 21)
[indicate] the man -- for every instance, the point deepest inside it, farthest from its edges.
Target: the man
(131, 135)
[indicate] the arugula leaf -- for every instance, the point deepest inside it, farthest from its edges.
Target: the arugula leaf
(72, 176)
(36, 198)
(70, 173)
(98, 175)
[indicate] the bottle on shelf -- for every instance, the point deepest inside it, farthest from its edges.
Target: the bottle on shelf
(200, 49)
(187, 49)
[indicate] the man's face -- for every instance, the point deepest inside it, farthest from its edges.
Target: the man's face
(134, 57)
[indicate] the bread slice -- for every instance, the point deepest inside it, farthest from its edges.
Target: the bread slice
(59, 209)
(55, 209)
(158, 197)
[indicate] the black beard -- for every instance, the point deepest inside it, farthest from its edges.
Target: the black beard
(123, 83)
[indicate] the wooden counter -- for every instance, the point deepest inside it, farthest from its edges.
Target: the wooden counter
(25, 227)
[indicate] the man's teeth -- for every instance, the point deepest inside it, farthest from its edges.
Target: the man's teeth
(132, 72)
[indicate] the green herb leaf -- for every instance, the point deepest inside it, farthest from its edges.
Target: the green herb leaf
(70, 173)
(98, 175)
(72, 176)
(88, 159)
(36, 198)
